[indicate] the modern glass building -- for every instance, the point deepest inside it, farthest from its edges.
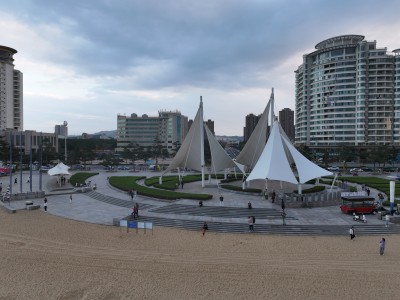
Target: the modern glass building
(169, 127)
(348, 94)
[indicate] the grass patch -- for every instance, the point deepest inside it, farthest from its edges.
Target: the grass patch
(129, 182)
(380, 184)
(80, 178)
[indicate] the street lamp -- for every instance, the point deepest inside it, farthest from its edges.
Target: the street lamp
(65, 136)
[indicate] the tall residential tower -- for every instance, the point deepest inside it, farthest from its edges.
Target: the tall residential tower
(348, 94)
(11, 92)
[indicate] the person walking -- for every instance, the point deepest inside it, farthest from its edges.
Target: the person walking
(70, 198)
(182, 184)
(382, 246)
(387, 218)
(205, 228)
(137, 209)
(251, 223)
(221, 200)
(45, 204)
(352, 233)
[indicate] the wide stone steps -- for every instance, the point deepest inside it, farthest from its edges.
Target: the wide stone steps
(188, 211)
(116, 201)
(299, 230)
(221, 212)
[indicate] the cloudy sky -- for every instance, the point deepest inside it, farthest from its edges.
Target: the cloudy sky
(86, 61)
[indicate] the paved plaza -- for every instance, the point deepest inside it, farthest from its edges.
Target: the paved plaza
(106, 204)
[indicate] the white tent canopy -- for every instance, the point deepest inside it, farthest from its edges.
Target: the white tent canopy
(274, 162)
(251, 152)
(189, 154)
(220, 160)
(59, 169)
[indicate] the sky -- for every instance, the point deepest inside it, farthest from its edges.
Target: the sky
(86, 61)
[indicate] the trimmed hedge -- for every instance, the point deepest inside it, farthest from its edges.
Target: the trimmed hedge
(80, 178)
(239, 189)
(314, 189)
(129, 182)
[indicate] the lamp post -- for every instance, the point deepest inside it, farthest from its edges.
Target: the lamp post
(65, 137)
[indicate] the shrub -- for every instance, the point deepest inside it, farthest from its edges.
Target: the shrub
(314, 189)
(129, 182)
(239, 189)
(80, 178)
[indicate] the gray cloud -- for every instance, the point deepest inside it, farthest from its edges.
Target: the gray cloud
(179, 45)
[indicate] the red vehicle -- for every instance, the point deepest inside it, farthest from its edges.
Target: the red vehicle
(358, 205)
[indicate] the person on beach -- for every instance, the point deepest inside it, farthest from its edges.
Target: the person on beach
(221, 200)
(251, 223)
(387, 218)
(352, 233)
(382, 246)
(205, 228)
(45, 204)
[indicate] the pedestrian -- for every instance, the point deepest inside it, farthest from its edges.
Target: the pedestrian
(205, 228)
(273, 197)
(352, 233)
(249, 205)
(368, 192)
(387, 218)
(221, 200)
(382, 246)
(137, 209)
(29, 179)
(182, 184)
(132, 194)
(283, 214)
(45, 204)
(15, 180)
(70, 198)
(251, 224)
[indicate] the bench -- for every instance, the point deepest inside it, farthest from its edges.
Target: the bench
(32, 207)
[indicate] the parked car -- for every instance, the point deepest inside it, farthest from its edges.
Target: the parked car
(334, 169)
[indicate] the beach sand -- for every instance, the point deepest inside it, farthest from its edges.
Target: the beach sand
(47, 257)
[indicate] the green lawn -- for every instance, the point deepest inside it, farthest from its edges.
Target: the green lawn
(127, 183)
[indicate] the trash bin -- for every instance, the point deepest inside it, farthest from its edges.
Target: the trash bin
(379, 215)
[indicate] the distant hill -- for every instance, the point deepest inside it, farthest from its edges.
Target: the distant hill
(109, 133)
(233, 138)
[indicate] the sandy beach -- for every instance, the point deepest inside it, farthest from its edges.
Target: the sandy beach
(48, 257)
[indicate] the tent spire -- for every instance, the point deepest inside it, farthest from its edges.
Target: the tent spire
(272, 107)
(201, 128)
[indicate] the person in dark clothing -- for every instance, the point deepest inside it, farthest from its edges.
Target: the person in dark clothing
(205, 228)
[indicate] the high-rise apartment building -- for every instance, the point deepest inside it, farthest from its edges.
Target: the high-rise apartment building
(251, 123)
(348, 93)
(286, 119)
(169, 128)
(11, 92)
